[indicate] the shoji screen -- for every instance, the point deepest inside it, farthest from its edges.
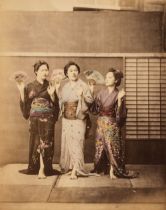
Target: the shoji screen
(145, 98)
(163, 98)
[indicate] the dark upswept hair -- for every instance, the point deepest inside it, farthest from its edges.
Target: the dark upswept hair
(117, 74)
(38, 64)
(70, 63)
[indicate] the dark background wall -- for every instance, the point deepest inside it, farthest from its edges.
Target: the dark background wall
(14, 128)
(71, 32)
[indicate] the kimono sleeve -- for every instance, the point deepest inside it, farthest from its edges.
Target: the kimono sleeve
(56, 107)
(95, 106)
(88, 96)
(121, 113)
(25, 105)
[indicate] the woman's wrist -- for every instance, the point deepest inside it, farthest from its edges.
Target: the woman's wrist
(22, 96)
(52, 96)
(119, 102)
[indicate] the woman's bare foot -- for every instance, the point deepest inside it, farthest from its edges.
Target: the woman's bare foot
(82, 173)
(73, 177)
(73, 174)
(112, 176)
(41, 174)
(69, 173)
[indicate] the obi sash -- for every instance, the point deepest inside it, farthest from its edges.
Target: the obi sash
(40, 107)
(70, 109)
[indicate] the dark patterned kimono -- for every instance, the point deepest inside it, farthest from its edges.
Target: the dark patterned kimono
(110, 147)
(42, 113)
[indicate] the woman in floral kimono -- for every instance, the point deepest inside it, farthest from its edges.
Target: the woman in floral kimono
(74, 97)
(39, 104)
(110, 107)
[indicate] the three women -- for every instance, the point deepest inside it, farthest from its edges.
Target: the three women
(39, 102)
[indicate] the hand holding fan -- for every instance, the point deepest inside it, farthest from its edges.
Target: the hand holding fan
(94, 77)
(19, 77)
(57, 76)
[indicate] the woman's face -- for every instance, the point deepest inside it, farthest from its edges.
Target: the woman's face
(42, 72)
(110, 79)
(72, 73)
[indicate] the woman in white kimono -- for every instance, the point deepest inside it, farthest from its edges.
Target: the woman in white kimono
(74, 98)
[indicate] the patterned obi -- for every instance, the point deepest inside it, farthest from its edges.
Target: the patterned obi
(109, 113)
(70, 109)
(40, 107)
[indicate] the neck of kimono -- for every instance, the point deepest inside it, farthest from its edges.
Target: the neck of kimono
(73, 82)
(111, 89)
(40, 80)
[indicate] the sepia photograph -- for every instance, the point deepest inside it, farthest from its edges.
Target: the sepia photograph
(83, 104)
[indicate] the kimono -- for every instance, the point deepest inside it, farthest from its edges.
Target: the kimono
(74, 111)
(42, 113)
(110, 146)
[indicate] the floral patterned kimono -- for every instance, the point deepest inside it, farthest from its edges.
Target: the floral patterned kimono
(110, 147)
(42, 114)
(74, 111)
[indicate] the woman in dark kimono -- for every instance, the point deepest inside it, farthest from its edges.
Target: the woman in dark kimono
(39, 104)
(110, 107)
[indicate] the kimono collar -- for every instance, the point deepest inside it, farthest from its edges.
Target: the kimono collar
(79, 81)
(45, 83)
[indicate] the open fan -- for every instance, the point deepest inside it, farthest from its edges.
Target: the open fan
(94, 77)
(19, 76)
(57, 76)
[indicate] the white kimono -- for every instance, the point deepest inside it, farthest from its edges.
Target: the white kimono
(73, 131)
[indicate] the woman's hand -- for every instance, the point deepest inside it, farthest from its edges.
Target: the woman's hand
(51, 90)
(79, 91)
(121, 94)
(91, 84)
(57, 86)
(21, 86)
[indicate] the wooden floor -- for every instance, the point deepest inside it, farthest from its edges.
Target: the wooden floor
(19, 191)
(71, 206)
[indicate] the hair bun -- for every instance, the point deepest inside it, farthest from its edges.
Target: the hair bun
(120, 73)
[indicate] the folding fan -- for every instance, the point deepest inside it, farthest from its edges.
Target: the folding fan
(57, 76)
(19, 76)
(94, 76)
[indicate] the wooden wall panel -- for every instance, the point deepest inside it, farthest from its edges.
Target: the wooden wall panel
(115, 31)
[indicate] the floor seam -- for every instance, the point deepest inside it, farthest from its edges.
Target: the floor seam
(54, 184)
